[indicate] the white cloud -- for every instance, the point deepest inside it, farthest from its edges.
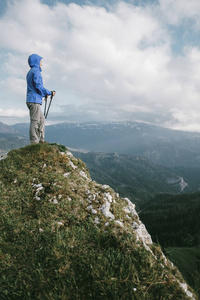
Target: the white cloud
(13, 112)
(25, 26)
(177, 11)
(105, 64)
(13, 88)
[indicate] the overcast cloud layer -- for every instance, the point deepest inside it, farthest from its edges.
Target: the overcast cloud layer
(119, 62)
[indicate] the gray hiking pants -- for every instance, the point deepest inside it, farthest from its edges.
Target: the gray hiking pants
(37, 123)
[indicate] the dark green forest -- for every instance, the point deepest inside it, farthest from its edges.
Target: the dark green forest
(174, 222)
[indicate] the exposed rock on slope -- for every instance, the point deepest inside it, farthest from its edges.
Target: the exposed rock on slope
(64, 236)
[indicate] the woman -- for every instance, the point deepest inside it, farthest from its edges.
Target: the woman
(35, 93)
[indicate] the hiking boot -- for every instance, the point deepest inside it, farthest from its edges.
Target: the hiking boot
(34, 143)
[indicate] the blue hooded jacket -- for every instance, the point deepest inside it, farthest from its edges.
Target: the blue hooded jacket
(35, 88)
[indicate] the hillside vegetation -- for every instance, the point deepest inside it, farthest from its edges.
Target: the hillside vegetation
(64, 236)
(138, 178)
(174, 221)
(188, 262)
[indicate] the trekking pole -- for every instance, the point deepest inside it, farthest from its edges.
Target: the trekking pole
(45, 105)
(46, 114)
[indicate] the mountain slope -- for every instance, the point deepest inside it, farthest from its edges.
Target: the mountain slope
(9, 142)
(162, 146)
(174, 221)
(138, 178)
(10, 138)
(180, 225)
(170, 148)
(64, 236)
(7, 129)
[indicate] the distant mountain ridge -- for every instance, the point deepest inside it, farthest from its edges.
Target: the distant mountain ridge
(10, 138)
(162, 146)
(7, 129)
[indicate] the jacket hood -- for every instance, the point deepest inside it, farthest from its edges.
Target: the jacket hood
(34, 60)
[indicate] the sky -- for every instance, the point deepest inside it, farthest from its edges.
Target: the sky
(108, 61)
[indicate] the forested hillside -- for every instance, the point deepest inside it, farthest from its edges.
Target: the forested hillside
(174, 222)
(138, 178)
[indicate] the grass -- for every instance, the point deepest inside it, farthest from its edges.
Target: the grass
(50, 245)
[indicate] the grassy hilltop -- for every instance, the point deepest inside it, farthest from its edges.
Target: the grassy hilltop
(64, 236)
